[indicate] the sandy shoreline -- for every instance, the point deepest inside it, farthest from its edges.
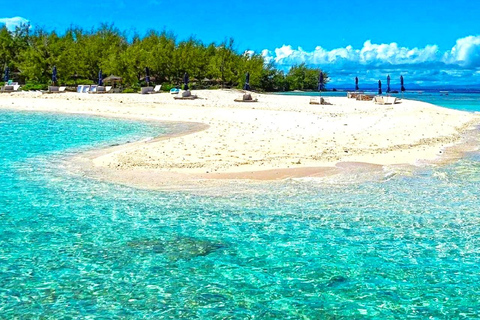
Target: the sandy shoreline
(277, 137)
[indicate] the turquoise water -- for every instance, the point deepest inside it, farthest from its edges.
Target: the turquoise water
(455, 100)
(70, 247)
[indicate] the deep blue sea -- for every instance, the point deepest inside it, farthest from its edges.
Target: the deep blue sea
(75, 248)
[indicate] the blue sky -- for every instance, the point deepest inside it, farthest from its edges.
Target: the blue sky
(429, 42)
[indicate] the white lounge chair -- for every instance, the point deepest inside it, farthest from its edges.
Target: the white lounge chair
(86, 89)
(80, 88)
(378, 100)
(156, 89)
(389, 100)
(93, 88)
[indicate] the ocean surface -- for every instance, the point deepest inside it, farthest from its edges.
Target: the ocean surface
(406, 246)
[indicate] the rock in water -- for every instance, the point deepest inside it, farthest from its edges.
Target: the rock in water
(180, 248)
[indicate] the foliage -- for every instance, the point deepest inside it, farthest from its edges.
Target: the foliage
(302, 78)
(34, 86)
(79, 55)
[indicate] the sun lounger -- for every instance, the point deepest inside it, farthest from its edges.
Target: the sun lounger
(389, 100)
(8, 88)
(146, 90)
(55, 89)
(156, 89)
(85, 89)
(378, 100)
(93, 89)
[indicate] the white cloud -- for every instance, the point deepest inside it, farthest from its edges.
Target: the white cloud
(12, 23)
(375, 61)
(370, 54)
(465, 53)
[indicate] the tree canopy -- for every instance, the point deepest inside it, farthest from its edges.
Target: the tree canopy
(79, 55)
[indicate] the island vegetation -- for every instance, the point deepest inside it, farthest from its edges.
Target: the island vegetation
(79, 55)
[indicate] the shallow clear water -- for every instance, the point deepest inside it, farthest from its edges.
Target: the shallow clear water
(72, 247)
(465, 101)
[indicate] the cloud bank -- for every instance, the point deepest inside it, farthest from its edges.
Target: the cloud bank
(12, 23)
(427, 65)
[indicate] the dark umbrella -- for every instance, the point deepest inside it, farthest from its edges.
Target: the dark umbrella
(147, 76)
(388, 83)
(54, 74)
(356, 83)
(185, 81)
(247, 82)
(401, 84)
(320, 81)
(5, 77)
(379, 87)
(100, 77)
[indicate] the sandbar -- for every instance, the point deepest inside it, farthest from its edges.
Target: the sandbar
(278, 137)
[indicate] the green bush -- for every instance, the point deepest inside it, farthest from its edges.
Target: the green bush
(168, 86)
(129, 90)
(74, 83)
(34, 86)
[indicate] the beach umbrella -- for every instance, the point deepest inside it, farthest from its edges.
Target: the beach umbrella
(379, 87)
(401, 84)
(5, 77)
(185, 81)
(320, 81)
(54, 74)
(100, 77)
(147, 76)
(388, 83)
(247, 82)
(356, 83)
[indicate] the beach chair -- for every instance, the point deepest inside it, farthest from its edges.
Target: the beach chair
(146, 90)
(93, 89)
(7, 88)
(79, 88)
(378, 100)
(85, 89)
(390, 100)
(108, 89)
(156, 89)
(55, 89)
(52, 89)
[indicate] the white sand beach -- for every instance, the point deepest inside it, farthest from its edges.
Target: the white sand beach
(275, 138)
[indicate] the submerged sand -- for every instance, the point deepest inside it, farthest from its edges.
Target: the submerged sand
(277, 137)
